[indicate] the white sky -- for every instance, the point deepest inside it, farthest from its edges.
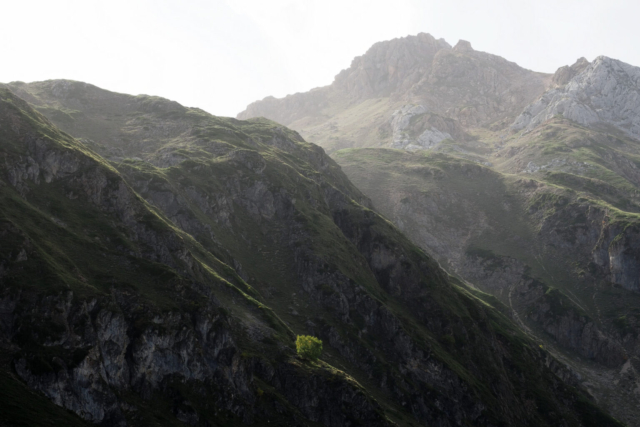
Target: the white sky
(220, 55)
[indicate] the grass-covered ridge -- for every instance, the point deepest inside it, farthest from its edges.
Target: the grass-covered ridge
(546, 207)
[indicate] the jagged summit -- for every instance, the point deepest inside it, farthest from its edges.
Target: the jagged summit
(603, 92)
(386, 68)
(390, 66)
(566, 73)
(463, 46)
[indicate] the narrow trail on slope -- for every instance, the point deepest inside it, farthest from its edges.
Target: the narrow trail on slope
(516, 316)
(574, 299)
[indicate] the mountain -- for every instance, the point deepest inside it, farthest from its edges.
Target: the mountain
(409, 91)
(605, 92)
(536, 204)
(158, 264)
(562, 260)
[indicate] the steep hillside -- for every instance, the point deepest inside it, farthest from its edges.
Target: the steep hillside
(168, 287)
(414, 91)
(112, 312)
(529, 190)
(547, 221)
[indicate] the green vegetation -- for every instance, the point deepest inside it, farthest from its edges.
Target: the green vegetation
(247, 222)
(308, 347)
(506, 209)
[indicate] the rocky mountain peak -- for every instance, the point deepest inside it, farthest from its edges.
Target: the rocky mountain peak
(455, 84)
(604, 92)
(390, 66)
(566, 73)
(463, 46)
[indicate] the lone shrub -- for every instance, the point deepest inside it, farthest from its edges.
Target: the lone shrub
(308, 347)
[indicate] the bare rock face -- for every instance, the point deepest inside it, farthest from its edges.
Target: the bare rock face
(618, 253)
(463, 46)
(564, 74)
(477, 88)
(389, 67)
(606, 92)
(401, 124)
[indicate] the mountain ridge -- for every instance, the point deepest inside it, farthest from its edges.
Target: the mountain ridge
(567, 168)
(532, 199)
(473, 88)
(240, 232)
(605, 91)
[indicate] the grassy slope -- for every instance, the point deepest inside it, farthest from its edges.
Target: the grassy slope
(288, 172)
(491, 211)
(350, 127)
(73, 245)
(572, 164)
(495, 213)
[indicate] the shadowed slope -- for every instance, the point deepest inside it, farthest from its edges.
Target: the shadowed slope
(140, 253)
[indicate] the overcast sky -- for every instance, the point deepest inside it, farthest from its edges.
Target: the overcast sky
(221, 55)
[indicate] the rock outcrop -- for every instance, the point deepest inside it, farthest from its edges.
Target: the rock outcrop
(604, 93)
(564, 74)
(404, 132)
(618, 254)
(389, 68)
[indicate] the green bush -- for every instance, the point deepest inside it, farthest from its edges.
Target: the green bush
(308, 347)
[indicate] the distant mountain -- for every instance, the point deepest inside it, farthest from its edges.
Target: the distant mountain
(452, 88)
(605, 92)
(156, 266)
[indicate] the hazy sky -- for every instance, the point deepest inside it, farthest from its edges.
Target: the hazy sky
(220, 55)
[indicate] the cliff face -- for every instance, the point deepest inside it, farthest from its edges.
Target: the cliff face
(390, 68)
(190, 361)
(171, 286)
(618, 254)
(476, 88)
(602, 93)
